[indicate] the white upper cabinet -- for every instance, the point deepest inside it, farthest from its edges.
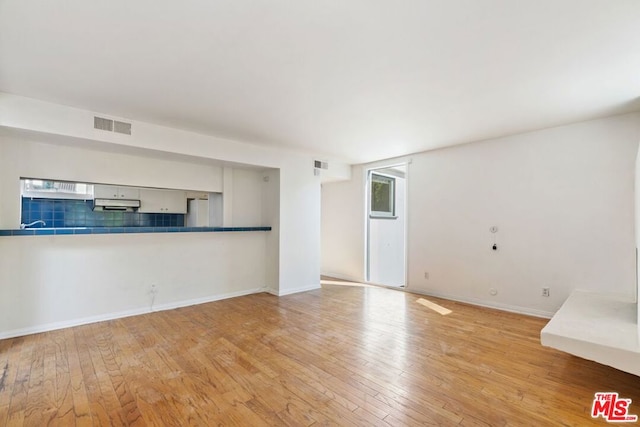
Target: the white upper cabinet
(115, 192)
(162, 201)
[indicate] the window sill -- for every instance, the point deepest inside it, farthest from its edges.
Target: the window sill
(383, 216)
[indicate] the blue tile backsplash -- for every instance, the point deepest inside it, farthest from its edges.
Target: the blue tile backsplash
(59, 213)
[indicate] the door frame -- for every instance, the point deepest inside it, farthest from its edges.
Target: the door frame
(367, 220)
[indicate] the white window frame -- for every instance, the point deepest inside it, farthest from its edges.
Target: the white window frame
(386, 214)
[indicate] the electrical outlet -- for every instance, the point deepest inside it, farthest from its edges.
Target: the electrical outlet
(426, 275)
(153, 290)
(493, 292)
(546, 292)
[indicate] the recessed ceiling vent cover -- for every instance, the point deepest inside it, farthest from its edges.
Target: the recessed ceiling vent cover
(111, 125)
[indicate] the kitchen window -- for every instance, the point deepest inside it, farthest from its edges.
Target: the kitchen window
(47, 189)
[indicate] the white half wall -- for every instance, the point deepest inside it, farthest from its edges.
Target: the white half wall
(562, 199)
(49, 282)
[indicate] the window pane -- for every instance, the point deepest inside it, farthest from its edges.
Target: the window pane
(382, 194)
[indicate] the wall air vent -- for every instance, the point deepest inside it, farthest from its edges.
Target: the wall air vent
(122, 127)
(320, 165)
(111, 125)
(103, 124)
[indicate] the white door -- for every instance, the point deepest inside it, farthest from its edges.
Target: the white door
(386, 225)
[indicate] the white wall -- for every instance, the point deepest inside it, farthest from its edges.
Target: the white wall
(24, 158)
(271, 216)
(53, 281)
(299, 228)
(343, 227)
(637, 229)
(247, 198)
(298, 268)
(291, 253)
(562, 199)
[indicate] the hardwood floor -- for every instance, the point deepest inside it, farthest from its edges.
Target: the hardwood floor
(336, 356)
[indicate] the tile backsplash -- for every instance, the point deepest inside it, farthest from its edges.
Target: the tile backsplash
(59, 213)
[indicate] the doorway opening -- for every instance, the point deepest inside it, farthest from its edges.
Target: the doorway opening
(386, 197)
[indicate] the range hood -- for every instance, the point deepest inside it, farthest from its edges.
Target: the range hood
(119, 205)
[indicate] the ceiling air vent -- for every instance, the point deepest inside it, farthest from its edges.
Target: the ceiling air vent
(111, 125)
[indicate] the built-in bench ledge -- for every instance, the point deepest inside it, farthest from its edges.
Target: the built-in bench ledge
(596, 327)
(117, 230)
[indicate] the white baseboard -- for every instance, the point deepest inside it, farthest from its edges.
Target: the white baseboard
(344, 277)
(481, 303)
(271, 291)
(297, 290)
(203, 300)
(36, 329)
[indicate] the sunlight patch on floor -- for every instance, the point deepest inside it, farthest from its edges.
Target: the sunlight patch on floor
(341, 283)
(433, 306)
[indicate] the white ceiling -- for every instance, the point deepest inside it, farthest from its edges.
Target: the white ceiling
(359, 80)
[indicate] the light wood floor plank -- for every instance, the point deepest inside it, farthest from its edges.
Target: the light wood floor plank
(18, 403)
(81, 409)
(347, 356)
(9, 353)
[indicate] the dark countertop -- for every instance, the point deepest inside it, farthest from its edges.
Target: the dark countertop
(119, 230)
